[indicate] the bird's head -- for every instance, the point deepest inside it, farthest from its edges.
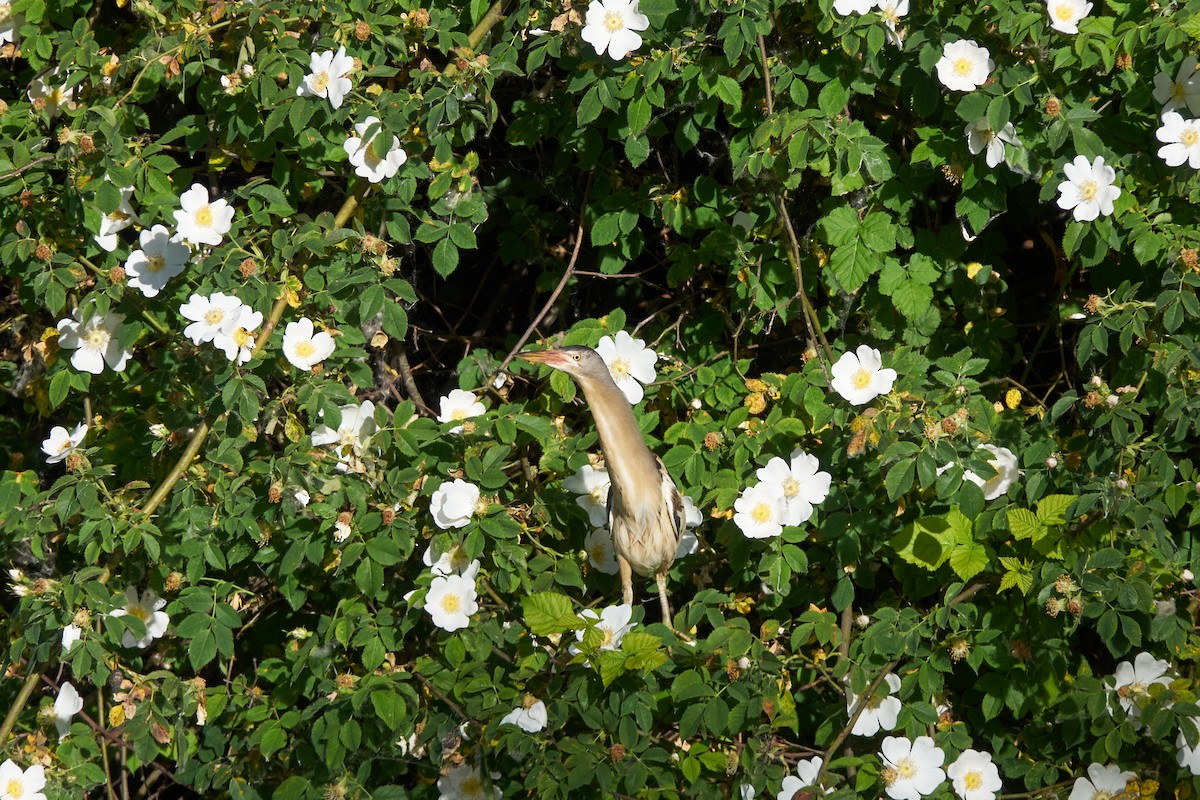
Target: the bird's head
(581, 363)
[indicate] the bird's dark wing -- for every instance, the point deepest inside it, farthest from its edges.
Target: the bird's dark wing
(672, 498)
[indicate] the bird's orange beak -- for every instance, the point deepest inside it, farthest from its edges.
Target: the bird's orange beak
(551, 358)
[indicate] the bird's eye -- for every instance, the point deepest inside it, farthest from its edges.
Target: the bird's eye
(575, 356)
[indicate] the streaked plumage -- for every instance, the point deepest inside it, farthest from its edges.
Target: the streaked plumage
(645, 509)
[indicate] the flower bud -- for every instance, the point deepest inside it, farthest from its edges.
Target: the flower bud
(1051, 462)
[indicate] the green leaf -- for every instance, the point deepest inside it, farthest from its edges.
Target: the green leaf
(840, 226)
(853, 263)
(899, 478)
(638, 115)
(968, 559)
(389, 707)
(1052, 509)
(445, 257)
(605, 229)
(1024, 524)
(548, 613)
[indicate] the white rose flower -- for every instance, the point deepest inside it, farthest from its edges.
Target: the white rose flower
(801, 482)
(613, 623)
(96, 341)
(601, 554)
(1182, 92)
(882, 711)
(911, 769)
(1066, 14)
(859, 377)
(1004, 461)
(449, 562)
(530, 720)
(201, 221)
(450, 601)
(453, 504)
(847, 7)
(55, 95)
(1133, 681)
(761, 511)
(61, 444)
(116, 221)
(612, 25)
(16, 784)
(459, 405)
(807, 770)
(463, 783)
(364, 157)
(630, 363)
(1088, 189)
(66, 705)
(149, 610)
(981, 137)
(974, 776)
(70, 635)
(303, 348)
(1182, 140)
(592, 485)
(892, 11)
(1103, 782)
(326, 76)
(208, 315)
(161, 257)
(236, 335)
(1188, 757)
(351, 437)
(964, 66)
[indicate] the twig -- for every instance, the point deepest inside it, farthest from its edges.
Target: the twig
(437, 692)
(30, 165)
(493, 15)
(579, 230)
(410, 385)
(863, 702)
(10, 719)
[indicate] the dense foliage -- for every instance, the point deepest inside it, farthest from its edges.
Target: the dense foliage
(253, 247)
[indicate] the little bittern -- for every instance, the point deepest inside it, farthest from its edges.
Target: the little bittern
(645, 510)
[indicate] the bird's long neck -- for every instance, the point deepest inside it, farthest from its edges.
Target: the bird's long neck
(625, 453)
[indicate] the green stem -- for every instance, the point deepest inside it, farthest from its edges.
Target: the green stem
(22, 698)
(493, 15)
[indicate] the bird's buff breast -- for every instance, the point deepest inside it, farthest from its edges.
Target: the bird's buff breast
(646, 553)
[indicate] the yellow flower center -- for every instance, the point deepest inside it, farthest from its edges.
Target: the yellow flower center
(890, 775)
(458, 413)
(214, 316)
(305, 349)
(5, 13)
(1064, 13)
(320, 81)
(155, 262)
(619, 369)
(458, 557)
(889, 15)
(15, 788)
(137, 611)
(1189, 137)
(791, 487)
(1102, 794)
(596, 496)
(762, 513)
(97, 338)
(472, 787)
(451, 603)
(861, 379)
(973, 780)
(1177, 92)
(907, 768)
(204, 216)
(963, 66)
(54, 97)
(598, 552)
(117, 216)
(613, 22)
(243, 337)
(65, 446)
(1088, 190)
(1137, 689)
(608, 637)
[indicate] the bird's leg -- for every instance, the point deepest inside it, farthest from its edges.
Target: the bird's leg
(661, 578)
(626, 580)
(663, 598)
